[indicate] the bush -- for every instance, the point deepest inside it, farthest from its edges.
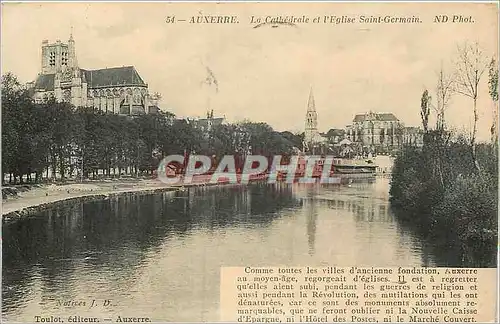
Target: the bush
(470, 206)
(441, 191)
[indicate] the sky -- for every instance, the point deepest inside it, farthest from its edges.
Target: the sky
(265, 74)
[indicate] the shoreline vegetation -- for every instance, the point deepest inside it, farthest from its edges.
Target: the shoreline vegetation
(448, 188)
(29, 199)
(56, 142)
(24, 200)
(437, 192)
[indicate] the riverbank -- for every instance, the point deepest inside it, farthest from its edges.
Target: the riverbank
(446, 199)
(24, 201)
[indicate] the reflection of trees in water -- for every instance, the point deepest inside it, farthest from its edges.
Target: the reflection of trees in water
(364, 209)
(32, 246)
(367, 210)
(116, 233)
(268, 200)
(445, 248)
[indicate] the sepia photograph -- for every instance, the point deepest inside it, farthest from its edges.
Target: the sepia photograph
(249, 162)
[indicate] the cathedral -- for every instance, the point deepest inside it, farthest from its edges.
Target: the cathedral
(376, 131)
(119, 90)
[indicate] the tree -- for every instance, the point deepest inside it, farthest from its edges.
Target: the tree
(470, 67)
(493, 90)
(398, 133)
(12, 95)
(295, 139)
(444, 91)
(64, 131)
(25, 135)
(425, 109)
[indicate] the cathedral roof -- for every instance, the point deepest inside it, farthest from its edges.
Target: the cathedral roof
(102, 78)
(126, 75)
(376, 116)
(45, 82)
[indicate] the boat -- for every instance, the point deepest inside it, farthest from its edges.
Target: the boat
(354, 166)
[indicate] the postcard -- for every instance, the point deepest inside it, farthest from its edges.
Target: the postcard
(249, 162)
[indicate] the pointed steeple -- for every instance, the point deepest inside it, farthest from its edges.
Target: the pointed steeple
(311, 106)
(73, 62)
(311, 129)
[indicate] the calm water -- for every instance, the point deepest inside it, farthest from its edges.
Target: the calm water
(159, 255)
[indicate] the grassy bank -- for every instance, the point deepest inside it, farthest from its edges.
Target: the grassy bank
(441, 194)
(20, 201)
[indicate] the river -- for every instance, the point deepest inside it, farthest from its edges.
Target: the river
(159, 255)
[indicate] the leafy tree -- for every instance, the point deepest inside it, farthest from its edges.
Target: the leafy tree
(425, 109)
(60, 139)
(493, 80)
(295, 139)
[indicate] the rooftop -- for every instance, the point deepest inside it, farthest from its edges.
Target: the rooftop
(374, 116)
(126, 75)
(101, 78)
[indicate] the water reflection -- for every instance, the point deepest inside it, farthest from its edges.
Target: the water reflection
(311, 211)
(159, 255)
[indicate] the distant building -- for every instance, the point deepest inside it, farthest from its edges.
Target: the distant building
(154, 108)
(413, 136)
(334, 136)
(207, 124)
(119, 90)
(376, 132)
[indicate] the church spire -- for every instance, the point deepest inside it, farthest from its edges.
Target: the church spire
(311, 107)
(311, 129)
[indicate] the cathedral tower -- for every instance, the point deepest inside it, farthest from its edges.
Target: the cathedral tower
(311, 130)
(119, 90)
(58, 56)
(54, 57)
(72, 62)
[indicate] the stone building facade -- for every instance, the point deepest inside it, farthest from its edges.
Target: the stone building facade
(413, 136)
(119, 90)
(376, 131)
